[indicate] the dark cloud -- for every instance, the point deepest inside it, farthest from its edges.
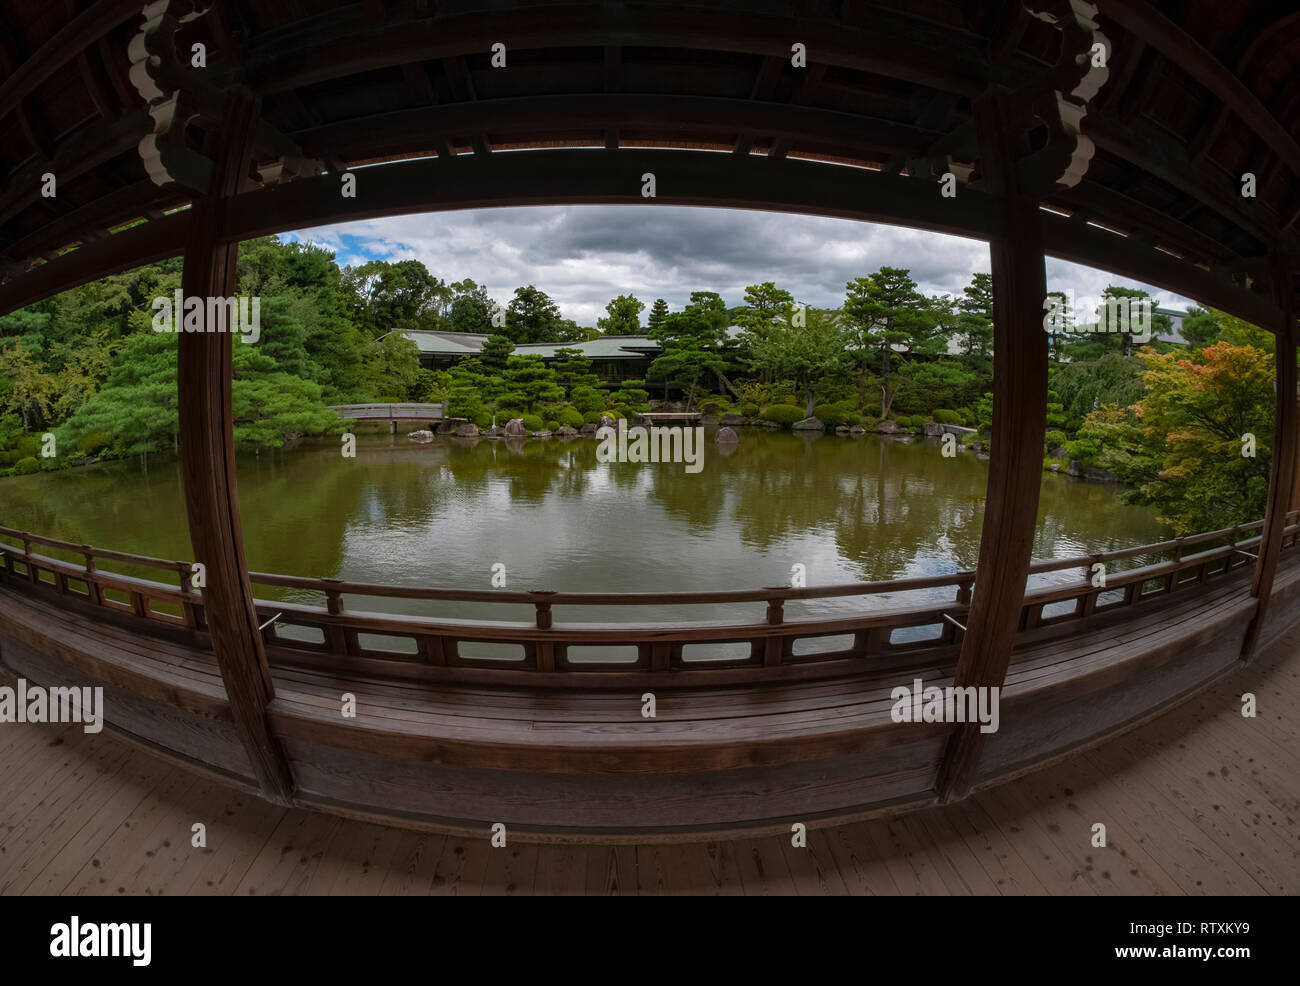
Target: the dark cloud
(584, 255)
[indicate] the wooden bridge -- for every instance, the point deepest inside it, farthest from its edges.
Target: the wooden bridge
(392, 413)
(801, 712)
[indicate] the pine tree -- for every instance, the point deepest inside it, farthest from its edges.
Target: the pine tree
(658, 313)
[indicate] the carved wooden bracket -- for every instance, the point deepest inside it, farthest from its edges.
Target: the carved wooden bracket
(179, 95)
(1056, 102)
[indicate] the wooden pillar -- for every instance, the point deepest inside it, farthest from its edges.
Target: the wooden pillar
(207, 457)
(1283, 467)
(1295, 475)
(1019, 426)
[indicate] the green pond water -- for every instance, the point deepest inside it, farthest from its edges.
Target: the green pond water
(443, 514)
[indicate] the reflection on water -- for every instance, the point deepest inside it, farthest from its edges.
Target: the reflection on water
(442, 514)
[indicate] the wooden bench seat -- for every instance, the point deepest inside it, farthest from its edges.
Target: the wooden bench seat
(452, 753)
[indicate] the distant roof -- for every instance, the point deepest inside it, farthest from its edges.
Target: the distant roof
(445, 343)
(431, 343)
(434, 343)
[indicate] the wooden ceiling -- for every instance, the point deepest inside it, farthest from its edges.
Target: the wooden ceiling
(1199, 92)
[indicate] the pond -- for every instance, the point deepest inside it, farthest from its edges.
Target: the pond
(444, 514)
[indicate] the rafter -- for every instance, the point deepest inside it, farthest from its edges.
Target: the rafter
(73, 37)
(1143, 20)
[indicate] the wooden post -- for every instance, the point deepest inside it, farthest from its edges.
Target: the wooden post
(1295, 476)
(207, 457)
(1019, 427)
(1283, 467)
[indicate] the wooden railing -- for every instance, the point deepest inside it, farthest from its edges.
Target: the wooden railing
(770, 644)
(391, 412)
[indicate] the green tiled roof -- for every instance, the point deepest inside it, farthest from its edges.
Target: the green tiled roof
(471, 344)
(446, 343)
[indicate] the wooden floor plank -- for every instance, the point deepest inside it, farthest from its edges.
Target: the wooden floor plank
(560, 870)
(1200, 800)
(611, 871)
(415, 862)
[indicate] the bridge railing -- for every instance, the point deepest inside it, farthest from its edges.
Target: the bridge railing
(761, 643)
(391, 412)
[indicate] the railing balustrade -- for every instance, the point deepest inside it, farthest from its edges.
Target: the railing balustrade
(767, 641)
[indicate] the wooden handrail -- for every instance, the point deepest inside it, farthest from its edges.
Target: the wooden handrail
(771, 633)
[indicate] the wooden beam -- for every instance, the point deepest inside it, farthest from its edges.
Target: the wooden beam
(405, 131)
(83, 151)
(145, 244)
(1161, 156)
(882, 42)
(207, 459)
(572, 177)
(1143, 20)
(74, 37)
(1019, 426)
(1285, 437)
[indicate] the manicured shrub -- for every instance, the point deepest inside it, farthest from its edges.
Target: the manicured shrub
(27, 466)
(588, 399)
(593, 417)
(617, 413)
(552, 425)
(1055, 439)
(570, 417)
(712, 404)
(784, 414)
(945, 417)
(94, 441)
(482, 418)
(632, 395)
(533, 422)
(830, 415)
(1087, 451)
(750, 410)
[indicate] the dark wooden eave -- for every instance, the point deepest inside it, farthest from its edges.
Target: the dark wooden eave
(1198, 93)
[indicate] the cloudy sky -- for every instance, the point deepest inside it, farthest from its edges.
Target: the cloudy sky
(584, 255)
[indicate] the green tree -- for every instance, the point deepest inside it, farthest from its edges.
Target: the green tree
(532, 316)
(1087, 385)
(1200, 328)
(658, 312)
(391, 372)
(764, 302)
(28, 388)
(470, 309)
(496, 353)
(138, 403)
(529, 381)
(692, 343)
(885, 313)
(812, 354)
(1195, 415)
(974, 323)
(623, 316)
